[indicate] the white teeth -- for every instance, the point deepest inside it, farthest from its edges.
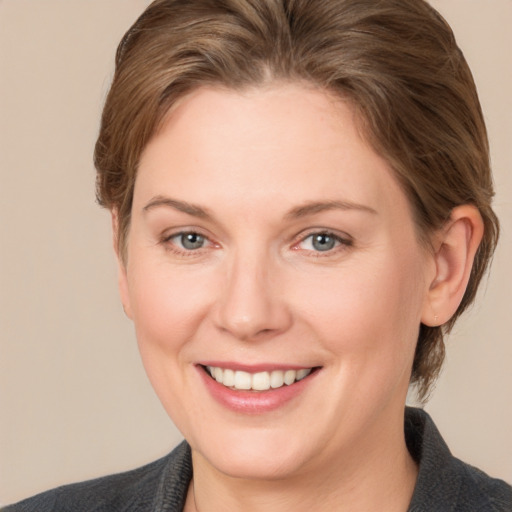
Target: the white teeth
(243, 380)
(303, 373)
(276, 379)
(217, 374)
(289, 377)
(229, 378)
(261, 381)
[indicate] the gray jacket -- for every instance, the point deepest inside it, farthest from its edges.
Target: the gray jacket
(445, 484)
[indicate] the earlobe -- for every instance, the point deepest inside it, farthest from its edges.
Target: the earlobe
(455, 249)
(122, 279)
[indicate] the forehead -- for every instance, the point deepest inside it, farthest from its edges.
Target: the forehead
(284, 143)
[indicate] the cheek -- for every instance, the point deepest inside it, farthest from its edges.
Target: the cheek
(368, 321)
(370, 310)
(168, 308)
(168, 305)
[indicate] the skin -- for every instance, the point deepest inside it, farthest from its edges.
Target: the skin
(259, 292)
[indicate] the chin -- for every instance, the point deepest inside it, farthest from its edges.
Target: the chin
(264, 456)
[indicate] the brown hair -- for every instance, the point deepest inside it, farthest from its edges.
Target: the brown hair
(396, 61)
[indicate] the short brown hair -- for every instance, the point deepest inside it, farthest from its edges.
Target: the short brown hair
(396, 61)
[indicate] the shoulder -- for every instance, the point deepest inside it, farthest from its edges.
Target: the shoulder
(150, 487)
(492, 494)
(444, 482)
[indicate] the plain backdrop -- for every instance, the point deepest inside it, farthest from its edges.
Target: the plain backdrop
(75, 402)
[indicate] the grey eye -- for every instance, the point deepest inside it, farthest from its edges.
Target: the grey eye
(323, 242)
(191, 241)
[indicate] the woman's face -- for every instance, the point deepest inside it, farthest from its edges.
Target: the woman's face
(267, 237)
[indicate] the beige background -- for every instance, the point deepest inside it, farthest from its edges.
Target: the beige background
(74, 401)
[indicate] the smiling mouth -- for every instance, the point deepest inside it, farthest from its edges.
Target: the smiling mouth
(259, 381)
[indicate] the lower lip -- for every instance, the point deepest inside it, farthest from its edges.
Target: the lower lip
(254, 402)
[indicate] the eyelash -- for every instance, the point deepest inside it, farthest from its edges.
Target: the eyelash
(341, 243)
(181, 251)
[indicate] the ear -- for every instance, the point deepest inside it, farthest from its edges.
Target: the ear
(122, 278)
(455, 248)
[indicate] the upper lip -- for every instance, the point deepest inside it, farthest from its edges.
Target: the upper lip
(255, 368)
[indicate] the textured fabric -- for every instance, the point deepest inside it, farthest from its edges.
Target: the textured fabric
(157, 487)
(445, 484)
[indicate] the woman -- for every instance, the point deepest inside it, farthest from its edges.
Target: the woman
(300, 194)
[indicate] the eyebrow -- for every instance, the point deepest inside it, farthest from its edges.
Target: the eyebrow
(309, 208)
(182, 206)
(314, 207)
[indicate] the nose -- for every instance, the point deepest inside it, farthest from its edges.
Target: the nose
(251, 304)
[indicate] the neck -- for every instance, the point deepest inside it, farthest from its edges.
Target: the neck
(379, 475)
